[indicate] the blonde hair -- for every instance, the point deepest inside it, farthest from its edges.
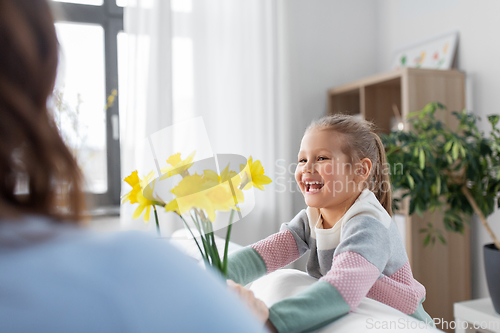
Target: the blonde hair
(361, 141)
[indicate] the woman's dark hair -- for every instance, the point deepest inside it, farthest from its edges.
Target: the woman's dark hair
(31, 147)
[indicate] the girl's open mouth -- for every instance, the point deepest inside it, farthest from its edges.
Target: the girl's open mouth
(313, 187)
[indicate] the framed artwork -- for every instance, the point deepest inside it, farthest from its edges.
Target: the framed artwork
(436, 52)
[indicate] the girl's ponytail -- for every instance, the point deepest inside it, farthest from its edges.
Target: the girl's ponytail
(381, 179)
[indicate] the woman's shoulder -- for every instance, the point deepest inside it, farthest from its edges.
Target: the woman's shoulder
(41, 234)
(33, 236)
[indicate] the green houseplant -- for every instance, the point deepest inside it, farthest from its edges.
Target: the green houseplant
(454, 169)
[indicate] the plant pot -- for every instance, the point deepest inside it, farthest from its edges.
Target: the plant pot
(492, 268)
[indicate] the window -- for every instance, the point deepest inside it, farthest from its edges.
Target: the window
(88, 73)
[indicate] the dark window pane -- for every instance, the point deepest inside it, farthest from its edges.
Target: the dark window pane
(83, 2)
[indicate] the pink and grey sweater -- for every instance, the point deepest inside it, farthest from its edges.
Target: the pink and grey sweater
(362, 255)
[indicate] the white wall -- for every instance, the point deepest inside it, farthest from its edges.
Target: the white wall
(324, 43)
(404, 21)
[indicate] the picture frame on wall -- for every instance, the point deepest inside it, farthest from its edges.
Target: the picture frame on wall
(435, 52)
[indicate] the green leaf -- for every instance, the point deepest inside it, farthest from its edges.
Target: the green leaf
(493, 119)
(454, 151)
(411, 181)
(413, 114)
(415, 151)
(419, 211)
(433, 189)
(462, 151)
(441, 239)
(427, 239)
(421, 159)
(447, 146)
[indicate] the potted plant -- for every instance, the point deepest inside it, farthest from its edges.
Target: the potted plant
(455, 169)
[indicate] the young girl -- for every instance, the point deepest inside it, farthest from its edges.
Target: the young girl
(356, 250)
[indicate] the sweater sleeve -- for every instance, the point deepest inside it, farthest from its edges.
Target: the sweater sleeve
(357, 264)
(271, 253)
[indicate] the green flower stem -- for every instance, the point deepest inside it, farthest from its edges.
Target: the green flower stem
(206, 229)
(205, 255)
(157, 222)
(211, 254)
(216, 252)
(226, 246)
(187, 226)
(205, 246)
(204, 236)
(214, 244)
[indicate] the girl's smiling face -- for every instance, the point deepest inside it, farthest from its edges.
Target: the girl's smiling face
(325, 175)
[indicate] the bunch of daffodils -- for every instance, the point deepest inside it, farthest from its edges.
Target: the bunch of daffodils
(198, 196)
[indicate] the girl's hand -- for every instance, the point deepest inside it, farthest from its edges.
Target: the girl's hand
(257, 307)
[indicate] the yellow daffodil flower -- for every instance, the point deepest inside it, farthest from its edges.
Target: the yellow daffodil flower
(192, 201)
(201, 196)
(177, 165)
(218, 190)
(194, 184)
(134, 181)
(136, 195)
(145, 181)
(221, 198)
(210, 178)
(143, 204)
(253, 175)
(228, 178)
(204, 192)
(190, 193)
(172, 206)
(227, 175)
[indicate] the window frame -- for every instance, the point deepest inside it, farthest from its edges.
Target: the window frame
(110, 17)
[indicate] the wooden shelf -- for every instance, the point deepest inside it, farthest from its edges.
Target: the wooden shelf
(443, 269)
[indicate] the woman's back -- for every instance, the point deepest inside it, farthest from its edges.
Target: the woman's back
(62, 279)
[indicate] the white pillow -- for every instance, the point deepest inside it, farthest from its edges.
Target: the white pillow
(370, 316)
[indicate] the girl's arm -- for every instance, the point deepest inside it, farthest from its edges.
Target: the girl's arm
(272, 253)
(357, 264)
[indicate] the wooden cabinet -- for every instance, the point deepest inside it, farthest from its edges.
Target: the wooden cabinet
(444, 270)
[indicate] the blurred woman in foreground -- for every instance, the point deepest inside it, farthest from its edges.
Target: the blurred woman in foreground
(54, 275)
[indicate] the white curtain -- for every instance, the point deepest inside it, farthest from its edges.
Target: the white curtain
(145, 74)
(216, 59)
